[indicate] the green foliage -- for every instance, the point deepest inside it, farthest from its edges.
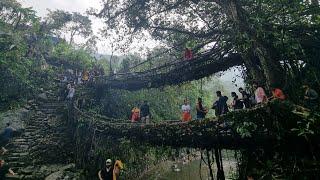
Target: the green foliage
(246, 129)
(73, 24)
(66, 54)
(27, 44)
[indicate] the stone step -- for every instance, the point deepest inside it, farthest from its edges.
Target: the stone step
(15, 177)
(18, 150)
(14, 158)
(19, 140)
(16, 164)
(51, 106)
(19, 154)
(18, 146)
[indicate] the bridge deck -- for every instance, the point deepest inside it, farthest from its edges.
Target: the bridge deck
(222, 131)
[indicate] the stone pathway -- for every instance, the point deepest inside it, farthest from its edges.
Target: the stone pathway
(41, 142)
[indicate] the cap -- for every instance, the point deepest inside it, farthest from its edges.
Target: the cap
(108, 161)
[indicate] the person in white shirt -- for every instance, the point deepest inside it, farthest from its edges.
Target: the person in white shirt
(186, 111)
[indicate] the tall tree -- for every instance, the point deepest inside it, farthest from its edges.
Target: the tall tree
(71, 24)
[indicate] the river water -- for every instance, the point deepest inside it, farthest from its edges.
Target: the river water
(189, 171)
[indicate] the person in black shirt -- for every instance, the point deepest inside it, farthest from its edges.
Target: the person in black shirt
(245, 98)
(236, 103)
(4, 170)
(220, 106)
(201, 111)
(310, 97)
(107, 172)
(145, 112)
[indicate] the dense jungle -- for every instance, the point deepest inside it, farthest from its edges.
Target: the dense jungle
(160, 89)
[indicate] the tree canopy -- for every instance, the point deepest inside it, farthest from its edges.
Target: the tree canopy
(278, 40)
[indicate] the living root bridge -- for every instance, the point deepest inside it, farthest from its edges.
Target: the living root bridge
(204, 134)
(258, 127)
(175, 73)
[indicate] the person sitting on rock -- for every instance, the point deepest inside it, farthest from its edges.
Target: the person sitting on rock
(4, 170)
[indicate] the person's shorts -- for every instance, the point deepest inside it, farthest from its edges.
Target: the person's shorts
(145, 119)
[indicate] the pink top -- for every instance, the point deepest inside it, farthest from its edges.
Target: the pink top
(260, 95)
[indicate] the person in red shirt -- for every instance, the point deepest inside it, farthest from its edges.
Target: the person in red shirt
(188, 54)
(277, 93)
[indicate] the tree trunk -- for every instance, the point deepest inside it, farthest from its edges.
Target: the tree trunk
(253, 67)
(267, 55)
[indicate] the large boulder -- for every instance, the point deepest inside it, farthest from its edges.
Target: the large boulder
(16, 118)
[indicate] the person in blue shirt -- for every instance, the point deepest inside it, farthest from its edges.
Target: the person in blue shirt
(220, 106)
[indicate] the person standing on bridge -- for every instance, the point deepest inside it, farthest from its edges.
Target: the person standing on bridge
(260, 94)
(236, 103)
(145, 112)
(186, 111)
(245, 98)
(310, 97)
(220, 106)
(135, 114)
(188, 54)
(201, 111)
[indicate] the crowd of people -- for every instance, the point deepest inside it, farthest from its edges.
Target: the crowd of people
(72, 78)
(221, 106)
(247, 100)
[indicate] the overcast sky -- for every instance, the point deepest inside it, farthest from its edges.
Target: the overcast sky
(104, 45)
(69, 5)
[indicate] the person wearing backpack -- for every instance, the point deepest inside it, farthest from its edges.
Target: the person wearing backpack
(220, 106)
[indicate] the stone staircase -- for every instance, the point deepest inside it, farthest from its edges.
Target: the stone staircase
(41, 142)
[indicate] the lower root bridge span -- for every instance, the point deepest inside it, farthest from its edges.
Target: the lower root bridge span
(223, 132)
